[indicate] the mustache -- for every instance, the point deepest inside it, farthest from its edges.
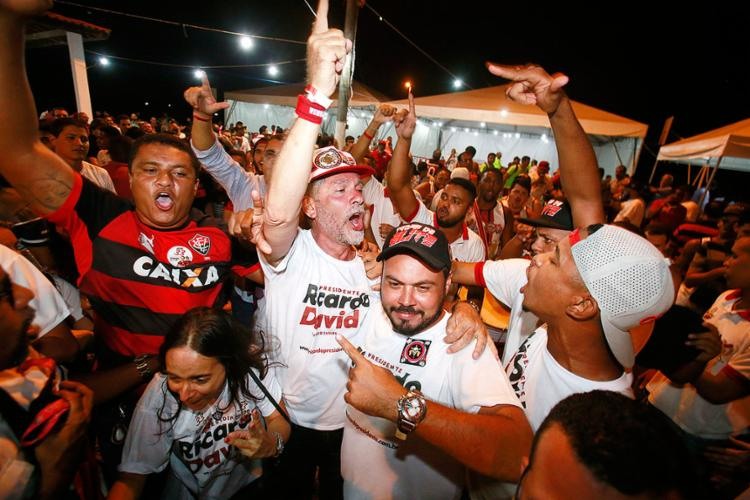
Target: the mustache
(403, 309)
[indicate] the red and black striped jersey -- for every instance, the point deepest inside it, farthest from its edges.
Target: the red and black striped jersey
(139, 279)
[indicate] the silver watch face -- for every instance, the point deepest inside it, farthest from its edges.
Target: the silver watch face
(412, 407)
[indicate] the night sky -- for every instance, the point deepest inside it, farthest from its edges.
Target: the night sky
(626, 58)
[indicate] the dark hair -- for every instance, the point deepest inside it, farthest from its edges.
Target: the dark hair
(523, 180)
(214, 333)
(111, 131)
(491, 170)
(467, 185)
(166, 140)
(119, 148)
(625, 444)
(471, 150)
(134, 132)
(59, 124)
(348, 137)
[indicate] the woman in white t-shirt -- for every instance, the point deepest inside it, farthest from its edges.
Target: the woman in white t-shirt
(201, 416)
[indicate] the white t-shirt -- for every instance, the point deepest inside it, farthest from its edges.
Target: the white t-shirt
(48, 304)
(97, 175)
(310, 297)
(541, 382)
(376, 196)
(504, 279)
(493, 228)
(632, 211)
(236, 181)
(469, 247)
(194, 448)
(685, 406)
(374, 464)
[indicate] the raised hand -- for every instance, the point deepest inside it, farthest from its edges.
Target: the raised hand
(248, 224)
(25, 7)
(202, 99)
(384, 113)
(326, 53)
(371, 389)
(254, 441)
(405, 121)
(532, 85)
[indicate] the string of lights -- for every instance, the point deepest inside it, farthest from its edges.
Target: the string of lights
(457, 82)
(246, 40)
(182, 25)
(193, 66)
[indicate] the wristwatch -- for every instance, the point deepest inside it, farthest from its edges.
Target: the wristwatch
(412, 409)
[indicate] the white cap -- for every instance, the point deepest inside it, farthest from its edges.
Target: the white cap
(461, 173)
(630, 280)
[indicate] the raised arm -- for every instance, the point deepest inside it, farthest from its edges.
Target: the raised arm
(384, 113)
(399, 176)
(42, 178)
(204, 105)
(326, 53)
(578, 167)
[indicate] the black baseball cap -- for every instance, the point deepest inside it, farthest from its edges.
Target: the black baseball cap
(555, 214)
(426, 242)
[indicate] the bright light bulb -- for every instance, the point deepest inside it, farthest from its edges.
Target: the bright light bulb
(457, 83)
(518, 135)
(494, 132)
(246, 43)
(503, 113)
(199, 74)
(273, 70)
(145, 103)
(466, 129)
(407, 84)
(103, 61)
(482, 124)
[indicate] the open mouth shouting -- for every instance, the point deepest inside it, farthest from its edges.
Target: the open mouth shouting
(357, 221)
(164, 201)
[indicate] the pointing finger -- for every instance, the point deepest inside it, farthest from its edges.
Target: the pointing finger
(321, 17)
(349, 349)
(412, 108)
(205, 84)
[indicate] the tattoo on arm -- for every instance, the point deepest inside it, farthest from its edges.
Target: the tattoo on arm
(50, 191)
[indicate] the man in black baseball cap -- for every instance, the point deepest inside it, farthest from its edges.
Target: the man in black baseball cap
(403, 381)
(553, 224)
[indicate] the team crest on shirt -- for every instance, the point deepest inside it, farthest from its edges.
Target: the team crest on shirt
(146, 242)
(200, 243)
(415, 352)
(179, 256)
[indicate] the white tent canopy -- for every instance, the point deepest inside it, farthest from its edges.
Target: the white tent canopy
(727, 146)
(484, 118)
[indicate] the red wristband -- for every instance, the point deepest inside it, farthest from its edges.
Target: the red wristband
(310, 111)
(200, 118)
(368, 135)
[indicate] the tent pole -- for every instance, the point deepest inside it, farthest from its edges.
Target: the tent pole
(708, 183)
(345, 84)
(653, 171)
(690, 168)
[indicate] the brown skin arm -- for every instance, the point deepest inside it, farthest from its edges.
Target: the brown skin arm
(58, 344)
(399, 175)
(108, 384)
(579, 172)
(42, 178)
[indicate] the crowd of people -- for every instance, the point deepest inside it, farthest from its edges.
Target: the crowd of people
(203, 312)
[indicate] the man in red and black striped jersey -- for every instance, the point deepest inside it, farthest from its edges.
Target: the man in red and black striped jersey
(142, 266)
